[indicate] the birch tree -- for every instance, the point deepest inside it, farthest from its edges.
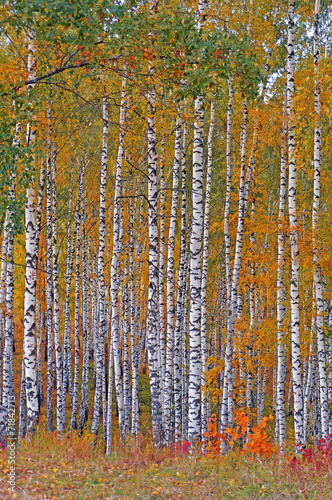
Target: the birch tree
(316, 253)
(195, 362)
(170, 281)
(152, 318)
(294, 291)
(281, 374)
(100, 342)
(204, 347)
(31, 265)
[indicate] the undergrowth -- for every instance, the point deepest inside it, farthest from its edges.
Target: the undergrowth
(49, 466)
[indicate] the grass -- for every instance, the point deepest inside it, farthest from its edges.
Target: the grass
(69, 468)
(50, 468)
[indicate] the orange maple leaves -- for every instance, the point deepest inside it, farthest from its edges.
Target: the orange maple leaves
(255, 437)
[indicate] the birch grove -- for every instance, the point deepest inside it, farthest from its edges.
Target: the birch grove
(164, 217)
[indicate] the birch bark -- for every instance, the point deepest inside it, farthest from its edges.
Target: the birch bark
(100, 341)
(7, 307)
(224, 405)
(281, 417)
(56, 305)
(170, 281)
(31, 266)
(294, 292)
(179, 344)
(195, 361)
(321, 358)
(73, 423)
(153, 345)
(115, 334)
(161, 291)
(204, 348)
(49, 288)
(66, 356)
(86, 309)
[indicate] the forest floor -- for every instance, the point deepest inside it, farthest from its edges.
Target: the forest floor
(49, 468)
(70, 468)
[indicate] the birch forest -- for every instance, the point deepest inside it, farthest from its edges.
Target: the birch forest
(165, 218)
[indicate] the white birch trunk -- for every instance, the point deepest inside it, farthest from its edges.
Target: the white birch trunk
(310, 377)
(109, 402)
(30, 273)
(86, 310)
(185, 357)
(7, 307)
(73, 423)
(228, 352)
(321, 358)
(8, 394)
(170, 283)
(66, 356)
(39, 316)
(281, 417)
(153, 344)
(294, 292)
(126, 362)
(195, 360)
(100, 341)
(162, 200)
(3, 291)
(40, 322)
(115, 334)
(134, 340)
(56, 311)
(180, 306)
(49, 291)
(204, 348)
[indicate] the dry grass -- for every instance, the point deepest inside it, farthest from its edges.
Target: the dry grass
(51, 468)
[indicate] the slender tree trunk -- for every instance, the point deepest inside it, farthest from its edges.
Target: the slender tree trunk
(310, 377)
(109, 402)
(7, 307)
(153, 344)
(39, 316)
(252, 329)
(8, 393)
(281, 295)
(49, 290)
(180, 305)
(195, 360)
(134, 340)
(126, 362)
(70, 252)
(170, 283)
(115, 334)
(3, 292)
(294, 293)
(204, 348)
(228, 353)
(100, 342)
(83, 417)
(40, 322)
(23, 403)
(73, 423)
(161, 304)
(316, 254)
(56, 305)
(185, 357)
(30, 271)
